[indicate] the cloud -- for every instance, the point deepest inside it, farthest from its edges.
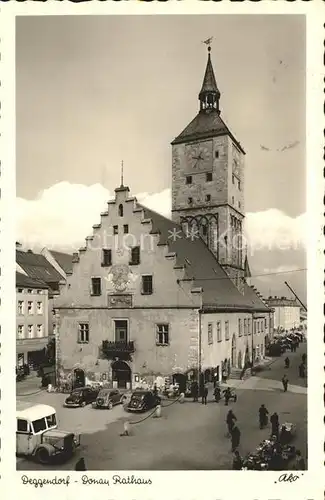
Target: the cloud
(63, 215)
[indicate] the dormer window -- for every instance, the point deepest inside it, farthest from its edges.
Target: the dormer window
(120, 210)
(188, 179)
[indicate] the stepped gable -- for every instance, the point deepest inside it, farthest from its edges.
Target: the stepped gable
(37, 267)
(63, 259)
(26, 282)
(201, 265)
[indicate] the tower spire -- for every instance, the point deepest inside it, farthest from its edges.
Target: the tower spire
(209, 95)
(122, 168)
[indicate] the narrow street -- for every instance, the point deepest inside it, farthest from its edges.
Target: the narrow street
(197, 432)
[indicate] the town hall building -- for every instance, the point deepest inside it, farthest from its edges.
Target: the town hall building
(151, 298)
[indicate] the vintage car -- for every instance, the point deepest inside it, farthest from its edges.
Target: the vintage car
(38, 436)
(143, 401)
(107, 398)
(81, 397)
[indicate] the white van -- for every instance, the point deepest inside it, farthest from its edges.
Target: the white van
(37, 435)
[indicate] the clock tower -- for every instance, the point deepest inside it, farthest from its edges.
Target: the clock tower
(208, 181)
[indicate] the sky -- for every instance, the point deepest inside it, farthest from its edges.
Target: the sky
(91, 91)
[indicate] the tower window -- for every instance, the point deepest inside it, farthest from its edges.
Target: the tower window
(239, 204)
(96, 286)
(126, 229)
(204, 230)
(115, 229)
(239, 185)
(233, 179)
(188, 179)
(209, 177)
(120, 210)
(216, 154)
(190, 200)
(233, 200)
(106, 257)
(147, 284)
(208, 197)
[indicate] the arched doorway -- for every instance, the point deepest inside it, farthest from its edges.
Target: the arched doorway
(180, 379)
(233, 351)
(121, 374)
(240, 360)
(79, 378)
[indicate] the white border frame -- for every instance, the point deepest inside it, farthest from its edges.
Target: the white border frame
(219, 484)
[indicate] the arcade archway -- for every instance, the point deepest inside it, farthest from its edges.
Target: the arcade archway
(121, 374)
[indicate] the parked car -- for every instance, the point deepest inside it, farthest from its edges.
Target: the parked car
(107, 398)
(38, 436)
(143, 401)
(81, 397)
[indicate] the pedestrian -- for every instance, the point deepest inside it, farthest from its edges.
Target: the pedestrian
(227, 394)
(285, 382)
(195, 391)
(263, 413)
(237, 463)
(299, 462)
(304, 358)
(302, 370)
(217, 394)
(80, 465)
(285, 436)
(274, 419)
(205, 392)
(155, 390)
(230, 420)
(287, 362)
(235, 438)
(224, 376)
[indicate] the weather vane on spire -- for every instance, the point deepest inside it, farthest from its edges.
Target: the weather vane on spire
(122, 165)
(208, 42)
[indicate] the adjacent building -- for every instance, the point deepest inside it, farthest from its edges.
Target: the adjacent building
(31, 319)
(37, 282)
(150, 298)
(286, 313)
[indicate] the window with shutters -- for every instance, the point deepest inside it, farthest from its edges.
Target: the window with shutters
(227, 330)
(210, 333)
(219, 334)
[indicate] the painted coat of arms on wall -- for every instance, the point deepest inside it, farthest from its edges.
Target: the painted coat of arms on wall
(121, 277)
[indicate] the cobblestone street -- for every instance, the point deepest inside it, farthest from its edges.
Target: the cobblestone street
(187, 436)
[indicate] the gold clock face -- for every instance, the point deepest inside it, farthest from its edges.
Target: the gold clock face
(199, 156)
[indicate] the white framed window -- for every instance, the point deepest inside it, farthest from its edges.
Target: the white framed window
(245, 326)
(210, 333)
(227, 330)
(249, 326)
(96, 286)
(239, 328)
(219, 334)
(20, 331)
(255, 327)
(20, 290)
(39, 292)
(29, 291)
(162, 334)
(39, 307)
(30, 307)
(39, 330)
(30, 331)
(83, 333)
(21, 307)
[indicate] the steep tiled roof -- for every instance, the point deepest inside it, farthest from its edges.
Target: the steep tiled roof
(37, 267)
(257, 302)
(63, 259)
(203, 126)
(201, 264)
(26, 282)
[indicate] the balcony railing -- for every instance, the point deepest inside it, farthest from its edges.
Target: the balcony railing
(109, 347)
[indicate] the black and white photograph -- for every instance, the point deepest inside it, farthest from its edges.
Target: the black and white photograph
(161, 243)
